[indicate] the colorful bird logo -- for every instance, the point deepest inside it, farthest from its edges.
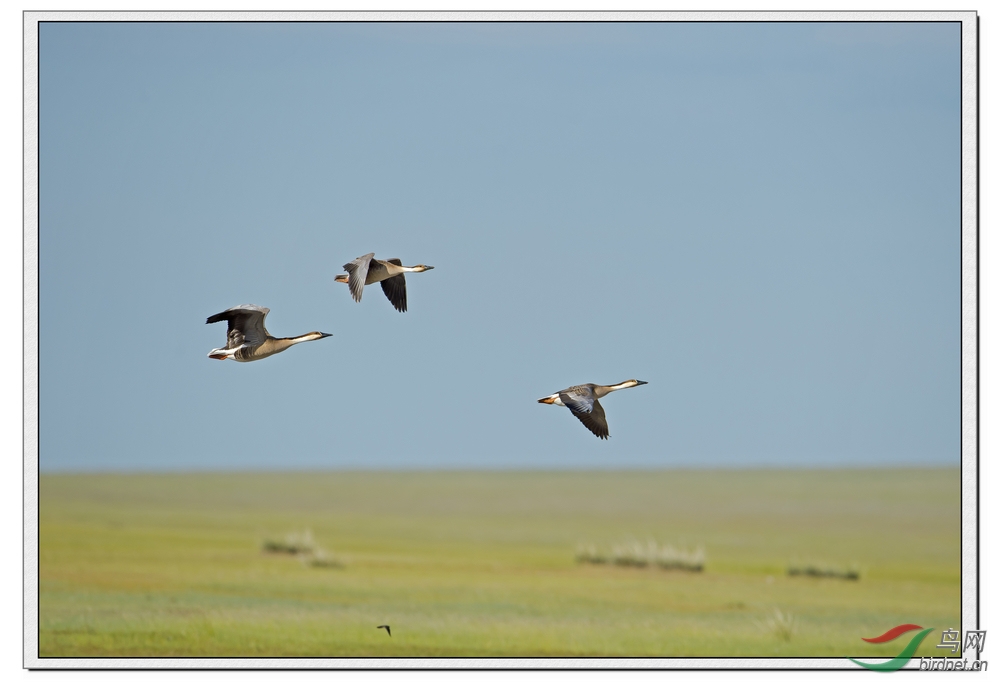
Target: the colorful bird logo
(904, 656)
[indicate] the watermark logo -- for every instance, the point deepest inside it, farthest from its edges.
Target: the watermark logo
(904, 656)
(974, 639)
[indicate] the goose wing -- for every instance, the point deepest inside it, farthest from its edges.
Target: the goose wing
(395, 287)
(357, 273)
(581, 402)
(245, 324)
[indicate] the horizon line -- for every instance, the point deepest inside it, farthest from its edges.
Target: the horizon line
(922, 465)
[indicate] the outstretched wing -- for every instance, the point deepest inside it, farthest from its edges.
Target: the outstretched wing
(585, 407)
(357, 273)
(395, 287)
(245, 324)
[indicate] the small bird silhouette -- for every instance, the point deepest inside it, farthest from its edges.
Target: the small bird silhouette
(386, 629)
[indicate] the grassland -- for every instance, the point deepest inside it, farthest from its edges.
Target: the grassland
(483, 563)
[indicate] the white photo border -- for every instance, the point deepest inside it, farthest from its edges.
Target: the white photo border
(970, 514)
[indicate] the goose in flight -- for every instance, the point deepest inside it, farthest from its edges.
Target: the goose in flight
(582, 402)
(246, 337)
(366, 270)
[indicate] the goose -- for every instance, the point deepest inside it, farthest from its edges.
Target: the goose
(366, 270)
(582, 402)
(247, 339)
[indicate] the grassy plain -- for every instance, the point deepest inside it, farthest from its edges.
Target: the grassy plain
(482, 563)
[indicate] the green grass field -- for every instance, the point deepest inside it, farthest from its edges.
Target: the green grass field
(483, 563)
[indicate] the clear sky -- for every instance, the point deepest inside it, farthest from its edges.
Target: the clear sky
(761, 220)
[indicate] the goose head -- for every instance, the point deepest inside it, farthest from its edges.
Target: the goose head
(314, 335)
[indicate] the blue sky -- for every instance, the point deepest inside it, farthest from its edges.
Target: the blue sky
(761, 220)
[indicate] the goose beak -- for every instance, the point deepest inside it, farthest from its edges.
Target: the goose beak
(641, 383)
(548, 401)
(325, 335)
(427, 268)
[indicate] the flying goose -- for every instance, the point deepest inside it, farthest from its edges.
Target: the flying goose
(582, 402)
(366, 270)
(246, 337)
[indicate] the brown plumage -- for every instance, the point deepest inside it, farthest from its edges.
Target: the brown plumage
(247, 339)
(366, 270)
(582, 401)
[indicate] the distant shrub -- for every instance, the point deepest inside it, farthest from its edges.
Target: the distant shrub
(589, 554)
(321, 559)
(303, 545)
(292, 543)
(823, 570)
(640, 555)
